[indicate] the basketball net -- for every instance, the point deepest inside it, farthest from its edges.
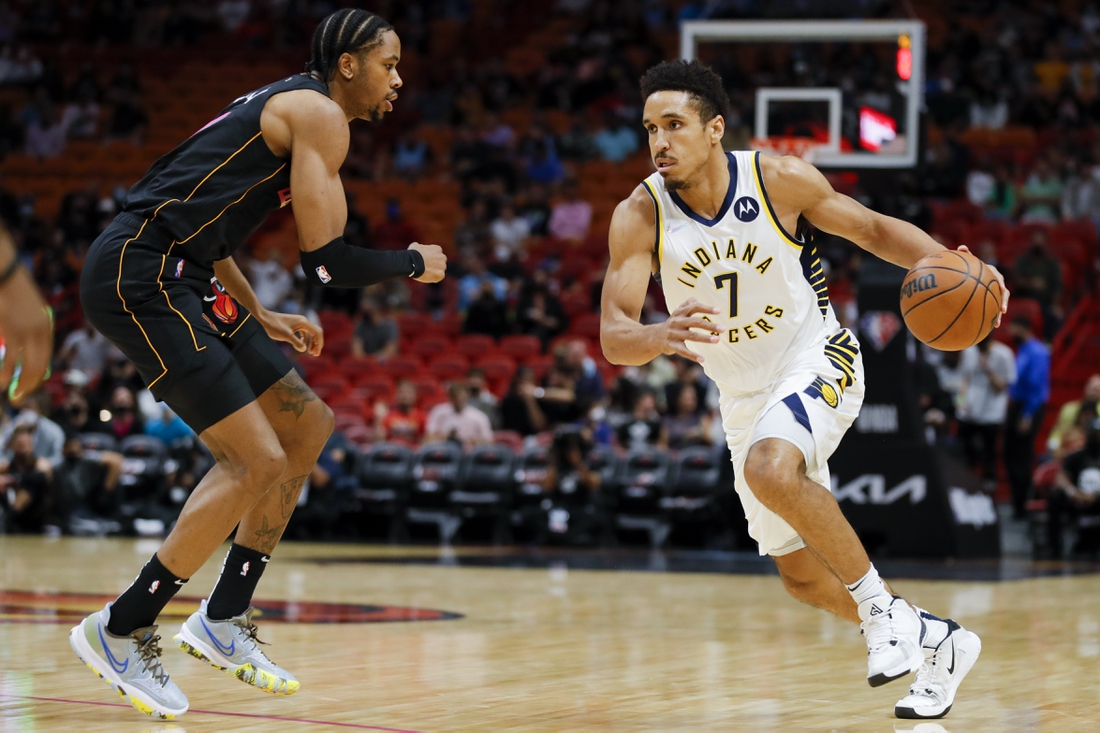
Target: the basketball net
(803, 147)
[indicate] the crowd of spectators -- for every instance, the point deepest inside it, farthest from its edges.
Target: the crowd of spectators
(517, 189)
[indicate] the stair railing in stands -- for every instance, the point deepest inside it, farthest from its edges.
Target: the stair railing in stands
(1067, 342)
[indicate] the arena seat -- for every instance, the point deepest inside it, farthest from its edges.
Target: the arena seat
(1025, 307)
(578, 268)
(637, 486)
(142, 466)
(98, 442)
(497, 367)
(520, 347)
(1083, 230)
(475, 345)
(576, 303)
(385, 480)
(449, 367)
(510, 438)
(355, 367)
(338, 345)
(360, 435)
(694, 475)
(400, 366)
(540, 365)
(334, 320)
(330, 381)
(604, 461)
(375, 382)
(486, 488)
(995, 230)
(428, 346)
(412, 322)
(347, 417)
(587, 325)
(436, 471)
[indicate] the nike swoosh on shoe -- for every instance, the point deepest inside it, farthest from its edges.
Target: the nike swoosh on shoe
(226, 650)
(121, 669)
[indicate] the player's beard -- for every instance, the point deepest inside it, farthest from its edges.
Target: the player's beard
(676, 184)
(375, 115)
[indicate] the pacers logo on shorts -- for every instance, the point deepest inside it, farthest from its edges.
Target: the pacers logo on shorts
(824, 391)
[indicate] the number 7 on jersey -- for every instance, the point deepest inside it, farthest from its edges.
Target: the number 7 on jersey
(720, 282)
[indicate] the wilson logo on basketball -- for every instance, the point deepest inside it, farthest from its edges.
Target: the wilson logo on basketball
(919, 285)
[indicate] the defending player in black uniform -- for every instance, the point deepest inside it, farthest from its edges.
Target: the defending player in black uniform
(160, 282)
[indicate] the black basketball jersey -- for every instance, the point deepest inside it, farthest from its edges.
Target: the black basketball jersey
(217, 186)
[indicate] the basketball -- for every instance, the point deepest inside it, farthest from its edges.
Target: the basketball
(950, 299)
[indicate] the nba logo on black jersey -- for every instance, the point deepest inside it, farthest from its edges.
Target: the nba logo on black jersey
(179, 268)
(323, 274)
(746, 208)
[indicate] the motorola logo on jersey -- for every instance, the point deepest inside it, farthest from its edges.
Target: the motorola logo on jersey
(746, 209)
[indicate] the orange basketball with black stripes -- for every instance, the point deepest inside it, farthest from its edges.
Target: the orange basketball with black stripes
(950, 299)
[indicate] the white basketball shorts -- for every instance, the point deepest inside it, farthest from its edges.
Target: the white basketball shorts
(812, 405)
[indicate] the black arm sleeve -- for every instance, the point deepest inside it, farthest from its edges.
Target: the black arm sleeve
(340, 265)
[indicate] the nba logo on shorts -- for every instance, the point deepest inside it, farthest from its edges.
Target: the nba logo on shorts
(323, 274)
(179, 268)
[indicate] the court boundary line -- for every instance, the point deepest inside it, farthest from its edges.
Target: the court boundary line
(254, 716)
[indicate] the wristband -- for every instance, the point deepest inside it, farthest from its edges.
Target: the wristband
(340, 265)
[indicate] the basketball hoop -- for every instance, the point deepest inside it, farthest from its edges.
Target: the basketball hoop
(803, 147)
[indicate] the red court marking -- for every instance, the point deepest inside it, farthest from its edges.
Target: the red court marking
(279, 718)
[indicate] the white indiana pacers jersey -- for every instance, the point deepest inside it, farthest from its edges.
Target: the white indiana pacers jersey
(769, 286)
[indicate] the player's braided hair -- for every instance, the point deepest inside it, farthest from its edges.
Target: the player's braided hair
(699, 81)
(345, 31)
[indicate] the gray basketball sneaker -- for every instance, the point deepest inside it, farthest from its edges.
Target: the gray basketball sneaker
(232, 647)
(129, 664)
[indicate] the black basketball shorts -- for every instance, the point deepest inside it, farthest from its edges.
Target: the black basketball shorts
(197, 349)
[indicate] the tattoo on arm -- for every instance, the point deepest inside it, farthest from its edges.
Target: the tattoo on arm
(289, 492)
(293, 394)
(267, 537)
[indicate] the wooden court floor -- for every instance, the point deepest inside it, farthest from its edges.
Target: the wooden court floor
(541, 649)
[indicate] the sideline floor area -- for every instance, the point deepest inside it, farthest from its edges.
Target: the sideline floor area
(477, 639)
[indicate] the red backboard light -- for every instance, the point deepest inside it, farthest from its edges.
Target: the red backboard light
(905, 63)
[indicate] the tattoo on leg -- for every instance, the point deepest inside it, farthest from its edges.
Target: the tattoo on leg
(293, 394)
(267, 537)
(289, 493)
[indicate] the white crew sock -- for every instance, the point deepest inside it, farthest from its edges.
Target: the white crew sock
(868, 587)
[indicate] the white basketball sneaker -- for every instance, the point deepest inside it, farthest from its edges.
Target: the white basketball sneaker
(894, 633)
(933, 692)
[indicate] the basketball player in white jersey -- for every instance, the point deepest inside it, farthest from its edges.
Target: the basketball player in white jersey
(748, 300)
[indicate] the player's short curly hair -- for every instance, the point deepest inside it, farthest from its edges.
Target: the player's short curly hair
(699, 81)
